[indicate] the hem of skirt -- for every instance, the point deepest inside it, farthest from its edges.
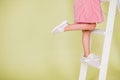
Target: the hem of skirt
(78, 21)
(88, 21)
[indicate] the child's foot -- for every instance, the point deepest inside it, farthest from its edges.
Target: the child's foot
(91, 57)
(60, 27)
(92, 60)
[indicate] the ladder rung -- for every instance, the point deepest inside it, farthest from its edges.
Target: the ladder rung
(99, 31)
(96, 64)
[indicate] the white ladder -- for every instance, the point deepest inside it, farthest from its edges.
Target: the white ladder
(107, 43)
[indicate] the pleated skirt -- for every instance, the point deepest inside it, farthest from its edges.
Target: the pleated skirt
(88, 11)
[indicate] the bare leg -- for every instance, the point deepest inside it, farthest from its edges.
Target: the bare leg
(80, 26)
(86, 42)
(86, 28)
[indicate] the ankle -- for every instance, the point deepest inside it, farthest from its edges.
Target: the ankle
(65, 29)
(86, 55)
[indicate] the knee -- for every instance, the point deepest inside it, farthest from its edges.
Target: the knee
(92, 26)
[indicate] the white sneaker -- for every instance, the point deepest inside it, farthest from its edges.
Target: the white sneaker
(60, 27)
(91, 57)
(92, 60)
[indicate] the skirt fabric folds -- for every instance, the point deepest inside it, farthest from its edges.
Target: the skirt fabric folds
(88, 11)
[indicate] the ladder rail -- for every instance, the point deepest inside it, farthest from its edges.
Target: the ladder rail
(108, 39)
(83, 71)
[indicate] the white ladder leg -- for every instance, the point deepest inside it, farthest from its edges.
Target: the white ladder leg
(83, 71)
(107, 41)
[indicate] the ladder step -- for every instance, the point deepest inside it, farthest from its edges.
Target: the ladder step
(99, 31)
(96, 64)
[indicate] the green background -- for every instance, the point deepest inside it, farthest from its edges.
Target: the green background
(28, 50)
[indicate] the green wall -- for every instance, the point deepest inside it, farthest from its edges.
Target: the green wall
(28, 50)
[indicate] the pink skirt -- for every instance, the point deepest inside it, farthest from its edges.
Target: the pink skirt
(87, 11)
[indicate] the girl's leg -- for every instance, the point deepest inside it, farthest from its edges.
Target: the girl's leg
(80, 26)
(86, 29)
(86, 42)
